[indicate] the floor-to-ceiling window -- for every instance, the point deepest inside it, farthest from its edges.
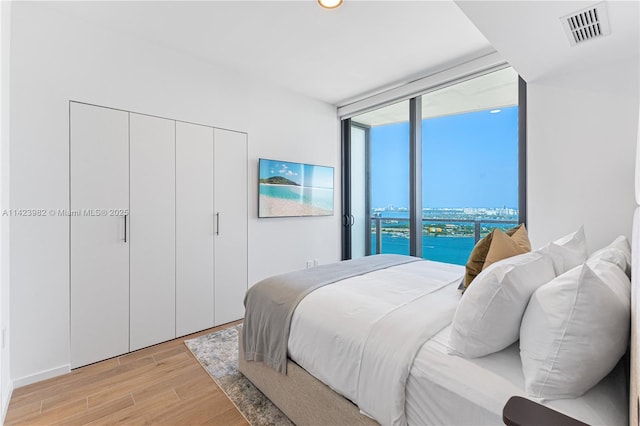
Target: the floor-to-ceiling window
(470, 158)
(469, 163)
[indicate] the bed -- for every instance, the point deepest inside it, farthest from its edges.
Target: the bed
(338, 368)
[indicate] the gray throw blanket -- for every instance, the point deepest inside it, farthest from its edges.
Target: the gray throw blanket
(270, 304)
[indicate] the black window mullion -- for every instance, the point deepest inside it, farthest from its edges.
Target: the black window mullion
(415, 176)
(346, 189)
(522, 151)
(367, 201)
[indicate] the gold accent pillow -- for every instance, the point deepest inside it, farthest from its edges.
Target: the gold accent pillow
(504, 246)
(479, 255)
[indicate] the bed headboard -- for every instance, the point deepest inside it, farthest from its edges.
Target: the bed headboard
(634, 382)
(634, 395)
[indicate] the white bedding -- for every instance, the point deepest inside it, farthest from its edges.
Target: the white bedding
(331, 326)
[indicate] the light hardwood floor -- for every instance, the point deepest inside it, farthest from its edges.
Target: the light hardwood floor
(163, 384)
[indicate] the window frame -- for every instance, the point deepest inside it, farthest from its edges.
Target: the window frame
(415, 172)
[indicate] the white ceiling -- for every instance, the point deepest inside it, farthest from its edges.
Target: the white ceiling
(364, 46)
(530, 36)
(331, 55)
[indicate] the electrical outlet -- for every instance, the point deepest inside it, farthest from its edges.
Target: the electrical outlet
(316, 262)
(309, 264)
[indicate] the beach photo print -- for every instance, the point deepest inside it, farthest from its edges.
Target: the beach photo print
(294, 189)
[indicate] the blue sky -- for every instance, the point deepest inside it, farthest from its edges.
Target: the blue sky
(468, 160)
(302, 174)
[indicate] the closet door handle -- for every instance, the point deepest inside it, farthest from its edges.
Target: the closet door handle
(218, 223)
(125, 227)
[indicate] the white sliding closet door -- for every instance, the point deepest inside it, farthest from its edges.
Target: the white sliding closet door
(99, 169)
(230, 167)
(194, 228)
(152, 230)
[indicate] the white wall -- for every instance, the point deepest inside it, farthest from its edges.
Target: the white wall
(582, 132)
(306, 132)
(5, 48)
(56, 59)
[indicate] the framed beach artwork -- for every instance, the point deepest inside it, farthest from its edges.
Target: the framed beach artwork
(294, 189)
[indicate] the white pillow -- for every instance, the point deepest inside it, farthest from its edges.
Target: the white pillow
(618, 252)
(568, 251)
(575, 330)
(488, 316)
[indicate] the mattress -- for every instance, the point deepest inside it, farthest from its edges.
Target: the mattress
(327, 340)
(446, 389)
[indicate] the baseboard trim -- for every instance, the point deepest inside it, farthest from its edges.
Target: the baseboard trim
(6, 394)
(43, 375)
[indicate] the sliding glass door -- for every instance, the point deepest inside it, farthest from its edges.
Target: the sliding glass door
(359, 217)
(382, 157)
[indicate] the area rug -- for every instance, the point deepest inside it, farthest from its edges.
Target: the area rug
(218, 354)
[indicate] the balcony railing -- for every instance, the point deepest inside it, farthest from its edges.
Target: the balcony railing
(477, 226)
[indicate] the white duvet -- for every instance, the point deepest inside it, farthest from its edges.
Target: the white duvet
(361, 335)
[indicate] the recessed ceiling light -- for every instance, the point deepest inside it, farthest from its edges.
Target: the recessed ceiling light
(494, 111)
(330, 4)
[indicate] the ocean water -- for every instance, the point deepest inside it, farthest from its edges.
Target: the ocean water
(449, 249)
(318, 197)
(442, 249)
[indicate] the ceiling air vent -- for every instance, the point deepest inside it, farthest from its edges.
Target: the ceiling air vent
(586, 24)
